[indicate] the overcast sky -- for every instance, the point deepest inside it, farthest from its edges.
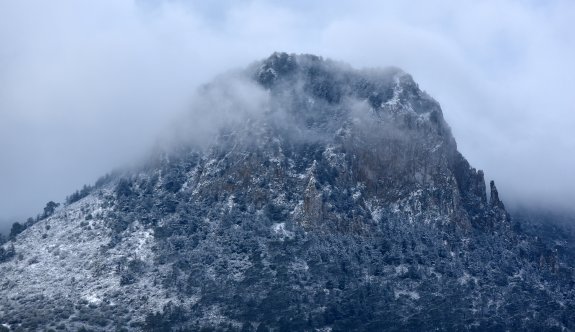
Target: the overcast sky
(87, 86)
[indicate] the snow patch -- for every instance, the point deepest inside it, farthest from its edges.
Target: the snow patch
(397, 90)
(466, 278)
(92, 298)
(401, 269)
(299, 265)
(281, 231)
(410, 294)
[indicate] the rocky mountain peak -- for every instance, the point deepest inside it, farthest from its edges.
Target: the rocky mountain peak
(494, 197)
(343, 205)
(325, 96)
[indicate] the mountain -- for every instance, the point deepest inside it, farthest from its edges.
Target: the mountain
(319, 198)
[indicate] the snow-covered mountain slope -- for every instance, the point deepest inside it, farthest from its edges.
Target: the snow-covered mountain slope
(64, 269)
(330, 199)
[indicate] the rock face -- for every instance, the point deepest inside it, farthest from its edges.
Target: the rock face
(342, 205)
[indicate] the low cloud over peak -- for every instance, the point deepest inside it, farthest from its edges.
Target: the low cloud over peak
(88, 86)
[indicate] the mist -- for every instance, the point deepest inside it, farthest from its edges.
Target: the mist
(229, 100)
(86, 87)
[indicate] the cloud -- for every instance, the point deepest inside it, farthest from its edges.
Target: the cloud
(500, 71)
(88, 86)
(228, 101)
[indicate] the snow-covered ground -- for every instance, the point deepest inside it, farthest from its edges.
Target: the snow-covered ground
(67, 257)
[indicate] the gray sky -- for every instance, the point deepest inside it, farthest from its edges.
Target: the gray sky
(87, 86)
